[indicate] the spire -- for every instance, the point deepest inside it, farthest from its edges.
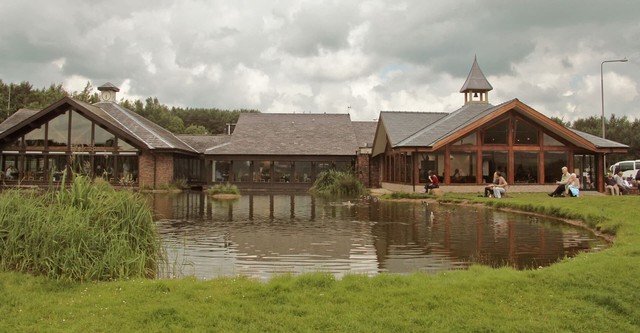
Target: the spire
(476, 85)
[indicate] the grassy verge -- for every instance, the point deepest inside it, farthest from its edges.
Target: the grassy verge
(593, 292)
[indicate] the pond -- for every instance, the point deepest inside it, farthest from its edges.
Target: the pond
(263, 235)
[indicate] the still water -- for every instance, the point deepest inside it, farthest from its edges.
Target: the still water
(263, 235)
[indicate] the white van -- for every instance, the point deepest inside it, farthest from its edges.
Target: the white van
(628, 168)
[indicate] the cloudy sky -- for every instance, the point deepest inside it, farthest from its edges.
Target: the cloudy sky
(331, 56)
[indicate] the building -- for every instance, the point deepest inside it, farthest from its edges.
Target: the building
(288, 151)
(466, 146)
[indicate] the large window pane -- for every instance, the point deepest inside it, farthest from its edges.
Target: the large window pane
(585, 167)
(80, 130)
(124, 146)
(550, 141)
(497, 134)
(57, 165)
(553, 163)
(59, 131)
(103, 167)
(303, 172)
(463, 168)
(282, 171)
(34, 167)
(102, 138)
(525, 133)
(10, 167)
(242, 171)
(430, 162)
(221, 171)
(526, 167)
(493, 161)
(263, 171)
(127, 169)
(469, 140)
(35, 139)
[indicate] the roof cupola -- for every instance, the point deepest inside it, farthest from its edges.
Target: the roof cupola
(476, 88)
(108, 92)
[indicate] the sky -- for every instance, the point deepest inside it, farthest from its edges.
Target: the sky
(356, 57)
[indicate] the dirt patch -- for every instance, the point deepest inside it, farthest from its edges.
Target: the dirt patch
(225, 196)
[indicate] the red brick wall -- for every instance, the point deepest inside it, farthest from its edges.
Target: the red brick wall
(161, 167)
(362, 168)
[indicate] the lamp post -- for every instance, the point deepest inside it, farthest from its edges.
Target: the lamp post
(602, 99)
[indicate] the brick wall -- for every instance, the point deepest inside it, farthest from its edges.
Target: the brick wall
(161, 167)
(362, 168)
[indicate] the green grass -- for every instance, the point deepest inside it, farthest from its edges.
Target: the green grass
(592, 292)
(86, 232)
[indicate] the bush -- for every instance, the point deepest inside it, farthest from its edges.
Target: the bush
(223, 189)
(332, 182)
(86, 232)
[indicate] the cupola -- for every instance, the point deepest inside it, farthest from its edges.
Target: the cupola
(476, 88)
(108, 92)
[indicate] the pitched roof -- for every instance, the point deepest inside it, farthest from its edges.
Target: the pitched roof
(400, 125)
(598, 141)
(290, 134)
(365, 132)
(151, 134)
(203, 142)
(127, 123)
(16, 118)
(476, 81)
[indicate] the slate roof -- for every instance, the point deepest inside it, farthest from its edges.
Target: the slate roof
(476, 81)
(16, 118)
(598, 141)
(152, 135)
(365, 132)
(290, 134)
(203, 142)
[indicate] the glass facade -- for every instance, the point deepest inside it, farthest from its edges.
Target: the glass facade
(553, 163)
(71, 144)
(526, 167)
(463, 167)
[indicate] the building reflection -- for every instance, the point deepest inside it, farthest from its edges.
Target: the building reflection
(260, 235)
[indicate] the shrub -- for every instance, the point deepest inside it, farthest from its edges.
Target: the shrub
(223, 189)
(86, 232)
(332, 182)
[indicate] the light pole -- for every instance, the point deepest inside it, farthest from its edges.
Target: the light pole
(602, 99)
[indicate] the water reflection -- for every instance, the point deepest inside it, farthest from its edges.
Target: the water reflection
(263, 235)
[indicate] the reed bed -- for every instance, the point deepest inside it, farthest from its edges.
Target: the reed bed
(86, 232)
(333, 182)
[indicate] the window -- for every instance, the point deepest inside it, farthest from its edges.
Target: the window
(80, 130)
(221, 171)
(242, 171)
(102, 138)
(550, 141)
(526, 167)
(463, 168)
(525, 133)
(59, 131)
(469, 140)
(433, 162)
(282, 171)
(35, 138)
(493, 161)
(263, 171)
(553, 163)
(496, 135)
(302, 172)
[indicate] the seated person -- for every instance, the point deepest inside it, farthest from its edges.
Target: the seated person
(488, 190)
(611, 185)
(501, 187)
(573, 186)
(624, 188)
(562, 184)
(432, 182)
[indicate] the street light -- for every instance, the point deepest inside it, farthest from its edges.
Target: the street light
(602, 99)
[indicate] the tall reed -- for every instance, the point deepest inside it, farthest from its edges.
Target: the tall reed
(88, 231)
(333, 182)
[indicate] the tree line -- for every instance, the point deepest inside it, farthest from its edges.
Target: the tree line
(196, 121)
(213, 121)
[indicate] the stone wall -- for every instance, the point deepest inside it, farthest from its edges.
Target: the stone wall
(155, 169)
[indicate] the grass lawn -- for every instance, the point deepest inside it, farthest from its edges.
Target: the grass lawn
(593, 292)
